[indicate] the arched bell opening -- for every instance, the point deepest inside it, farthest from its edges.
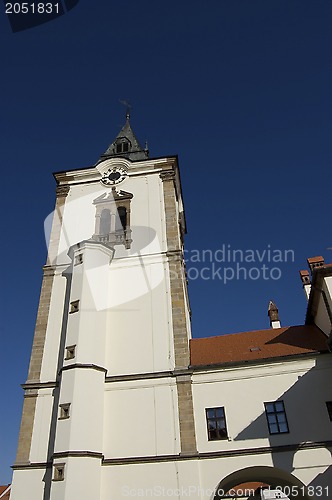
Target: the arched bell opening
(112, 224)
(105, 222)
(121, 220)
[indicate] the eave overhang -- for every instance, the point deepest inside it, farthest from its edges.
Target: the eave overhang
(318, 276)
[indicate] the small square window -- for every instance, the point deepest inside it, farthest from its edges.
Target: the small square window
(59, 472)
(329, 409)
(70, 352)
(78, 259)
(276, 417)
(64, 411)
(216, 423)
(74, 306)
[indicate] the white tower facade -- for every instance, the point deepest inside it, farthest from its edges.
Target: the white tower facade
(108, 370)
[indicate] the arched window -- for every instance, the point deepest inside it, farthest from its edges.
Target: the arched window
(105, 222)
(121, 221)
(112, 224)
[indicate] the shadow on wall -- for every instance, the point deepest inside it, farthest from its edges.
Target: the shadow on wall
(324, 481)
(308, 421)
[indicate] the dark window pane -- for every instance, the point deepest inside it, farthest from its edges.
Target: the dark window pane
(283, 427)
(279, 406)
(272, 419)
(276, 417)
(216, 423)
(220, 424)
(213, 435)
(125, 147)
(222, 434)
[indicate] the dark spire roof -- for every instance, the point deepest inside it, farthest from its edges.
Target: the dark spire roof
(126, 145)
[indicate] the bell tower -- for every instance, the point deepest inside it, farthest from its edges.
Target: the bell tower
(110, 355)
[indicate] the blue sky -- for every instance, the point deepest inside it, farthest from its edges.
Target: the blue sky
(240, 90)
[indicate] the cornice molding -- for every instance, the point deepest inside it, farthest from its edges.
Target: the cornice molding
(31, 465)
(94, 173)
(39, 385)
(62, 191)
(256, 363)
(310, 445)
(167, 175)
(78, 454)
(83, 366)
(147, 376)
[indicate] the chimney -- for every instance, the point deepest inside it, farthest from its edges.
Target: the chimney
(273, 314)
(315, 262)
(305, 278)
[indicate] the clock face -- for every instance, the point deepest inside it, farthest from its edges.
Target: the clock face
(114, 176)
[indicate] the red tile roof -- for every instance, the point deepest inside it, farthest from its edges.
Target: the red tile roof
(256, 345)
(3, 495)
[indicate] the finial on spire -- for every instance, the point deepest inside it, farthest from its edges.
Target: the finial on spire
(128, 107)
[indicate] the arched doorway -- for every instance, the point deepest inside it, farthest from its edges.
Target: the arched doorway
(274, 478)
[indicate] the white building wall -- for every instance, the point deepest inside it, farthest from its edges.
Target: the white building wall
(84, 480)
(140, 337)
(40, 437)
(328, 289)
(132, 481)
(49, 367)
(141, 418)
(196, 479)
(242, 392)
(27, 484)
(322, 318)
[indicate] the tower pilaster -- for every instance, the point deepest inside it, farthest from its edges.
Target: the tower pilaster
(79, 428)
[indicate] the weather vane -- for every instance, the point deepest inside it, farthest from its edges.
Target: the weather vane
(128, 107)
